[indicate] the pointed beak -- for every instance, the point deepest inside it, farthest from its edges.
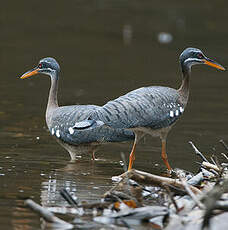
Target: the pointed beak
(213, 63)
(30, 73)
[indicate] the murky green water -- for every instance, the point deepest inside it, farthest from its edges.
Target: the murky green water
(105, 49)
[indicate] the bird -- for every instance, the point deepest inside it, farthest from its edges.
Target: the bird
(153, 110)
(72, 126)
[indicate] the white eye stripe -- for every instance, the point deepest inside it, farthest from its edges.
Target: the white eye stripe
(191, 60)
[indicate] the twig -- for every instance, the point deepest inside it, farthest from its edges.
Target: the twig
(198, 153)
(223, 154)
(213, 161)
(224, 144)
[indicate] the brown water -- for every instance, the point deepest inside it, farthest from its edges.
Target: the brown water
(105, 49)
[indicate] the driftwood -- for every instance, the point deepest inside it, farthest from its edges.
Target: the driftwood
(151, 179)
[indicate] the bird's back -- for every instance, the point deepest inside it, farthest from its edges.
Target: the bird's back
(63, 126)
(155, 107)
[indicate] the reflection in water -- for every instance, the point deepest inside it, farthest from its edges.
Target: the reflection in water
(50, 190)
(83, 182)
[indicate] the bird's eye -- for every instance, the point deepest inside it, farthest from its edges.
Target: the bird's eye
(200, 55)
(40, 66)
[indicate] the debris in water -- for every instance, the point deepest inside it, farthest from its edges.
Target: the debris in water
(180, 201)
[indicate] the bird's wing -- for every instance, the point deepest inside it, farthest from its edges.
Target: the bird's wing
(154, 107)
(73, 125)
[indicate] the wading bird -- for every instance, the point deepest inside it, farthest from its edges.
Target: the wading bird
(72, 125)
(153, 110)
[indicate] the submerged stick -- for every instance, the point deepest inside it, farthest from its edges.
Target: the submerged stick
(67, 196)
(47, 215)
(151, 179)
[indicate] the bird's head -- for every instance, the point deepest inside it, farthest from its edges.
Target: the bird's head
(193, 56)
(48, 66)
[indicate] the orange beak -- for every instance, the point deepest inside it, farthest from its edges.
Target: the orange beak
(30, 73)
(213, 64)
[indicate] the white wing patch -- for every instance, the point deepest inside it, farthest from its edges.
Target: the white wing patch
(71, 130)
(171, 113)
(177, 112)
(52, 131)
(57, 133)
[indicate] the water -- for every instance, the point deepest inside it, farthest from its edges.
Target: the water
(105, 49)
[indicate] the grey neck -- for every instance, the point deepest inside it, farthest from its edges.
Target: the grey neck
(52, 98)
(185, 85)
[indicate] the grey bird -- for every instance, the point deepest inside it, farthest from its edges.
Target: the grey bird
(153, 110)
(73, 126)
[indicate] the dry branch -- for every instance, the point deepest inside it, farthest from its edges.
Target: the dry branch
(198, 153)
(151, 179)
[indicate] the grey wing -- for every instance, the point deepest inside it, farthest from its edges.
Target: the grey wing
(73, 125)
(154, 107)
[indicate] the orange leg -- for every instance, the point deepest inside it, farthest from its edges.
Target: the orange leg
(164, 155)
(132, 155)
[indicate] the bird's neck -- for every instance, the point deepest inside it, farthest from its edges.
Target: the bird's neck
(185, 85)
(52, 98)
